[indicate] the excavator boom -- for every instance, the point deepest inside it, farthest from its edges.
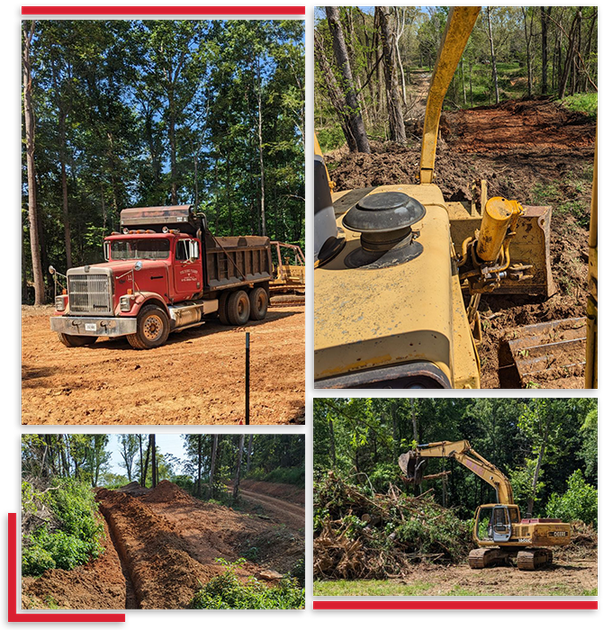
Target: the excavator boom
(458, 28)
(412, 465)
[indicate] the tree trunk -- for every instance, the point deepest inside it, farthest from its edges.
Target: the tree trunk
(343, 62)
(530, 505)
(199, 465)
(528, 38)
(335, 94)
(569, 58)
(212, 469)
(397, 131)
(493, 57)
(172, 141)
(332, 441)
(261, 151)
(32, 202)
(249, 450)
(237, 479)
(152, 446)
(545, 13)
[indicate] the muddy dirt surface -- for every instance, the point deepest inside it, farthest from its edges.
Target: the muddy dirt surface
(530, 150)
(163, 545)
(197, 377)
(573, 577)
(573, 572)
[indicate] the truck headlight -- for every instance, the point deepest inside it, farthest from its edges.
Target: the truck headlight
(60, 302)
(125, 303)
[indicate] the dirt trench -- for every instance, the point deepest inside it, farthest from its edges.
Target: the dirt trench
(160, 546)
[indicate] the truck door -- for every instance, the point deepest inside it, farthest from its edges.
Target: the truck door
(188, 277)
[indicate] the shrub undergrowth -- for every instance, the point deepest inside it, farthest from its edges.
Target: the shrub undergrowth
(70, 536)
(228, 591)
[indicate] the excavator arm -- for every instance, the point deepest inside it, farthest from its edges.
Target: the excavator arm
(458, 28)
(413, 462)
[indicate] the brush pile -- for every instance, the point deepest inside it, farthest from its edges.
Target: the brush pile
(359, 534)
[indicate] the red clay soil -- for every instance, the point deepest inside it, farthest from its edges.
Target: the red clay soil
(518, 124)
(198, 377)
(518, 147)
(286, 491)
(168, 543)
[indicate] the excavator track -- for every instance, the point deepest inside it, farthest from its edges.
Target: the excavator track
(532, 559)
(527, 559)
(484, 558)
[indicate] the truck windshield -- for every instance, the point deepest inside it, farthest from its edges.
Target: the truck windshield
(140, 249)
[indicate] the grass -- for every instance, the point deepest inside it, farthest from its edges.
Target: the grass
(585, 103)
(388, 588)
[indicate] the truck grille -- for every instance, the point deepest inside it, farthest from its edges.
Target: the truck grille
(90, 294)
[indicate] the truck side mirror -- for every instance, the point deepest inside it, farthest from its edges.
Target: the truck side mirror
(106, 250)
(51, 270)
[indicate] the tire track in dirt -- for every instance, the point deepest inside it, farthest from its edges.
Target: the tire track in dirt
(280, 510)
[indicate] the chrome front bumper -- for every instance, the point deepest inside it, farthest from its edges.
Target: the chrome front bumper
(93, 326)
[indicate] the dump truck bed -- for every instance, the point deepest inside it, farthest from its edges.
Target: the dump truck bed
(237, 260)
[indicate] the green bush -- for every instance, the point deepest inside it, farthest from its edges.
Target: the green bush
(226, 591)
(75, 541)
(292, 476)
(585, 103)
(578, 503)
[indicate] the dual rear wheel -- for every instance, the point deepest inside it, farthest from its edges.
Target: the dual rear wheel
(238, 307)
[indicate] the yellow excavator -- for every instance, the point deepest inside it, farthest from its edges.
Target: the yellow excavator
(499, 531)
(399, 271)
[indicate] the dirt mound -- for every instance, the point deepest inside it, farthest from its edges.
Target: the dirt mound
(524, 123)
(168, 492)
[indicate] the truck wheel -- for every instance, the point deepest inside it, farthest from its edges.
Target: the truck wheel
(152, 326)
(258, 299)
(76, 341)
(223, 308)
(238, 308)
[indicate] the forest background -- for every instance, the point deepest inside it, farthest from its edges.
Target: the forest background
(546, 446)
(373, 64)
(128, 113)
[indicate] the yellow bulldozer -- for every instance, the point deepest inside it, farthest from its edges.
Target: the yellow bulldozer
(500, 533)
(399, 271)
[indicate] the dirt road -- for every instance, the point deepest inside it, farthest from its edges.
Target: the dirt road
(198, 377)
(163, 544)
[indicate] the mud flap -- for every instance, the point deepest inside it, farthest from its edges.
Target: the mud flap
(549, 350)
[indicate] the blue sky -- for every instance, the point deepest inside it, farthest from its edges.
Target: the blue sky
(171, 443)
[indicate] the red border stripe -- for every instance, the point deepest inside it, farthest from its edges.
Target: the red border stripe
(14, 616)
(457, 605)
(298, 10)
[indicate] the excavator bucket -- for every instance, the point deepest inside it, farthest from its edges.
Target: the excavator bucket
(546, 352)
(412, 466)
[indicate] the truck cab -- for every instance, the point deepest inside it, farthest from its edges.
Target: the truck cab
(164, 272)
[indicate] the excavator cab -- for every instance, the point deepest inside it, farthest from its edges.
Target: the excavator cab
(493, 523)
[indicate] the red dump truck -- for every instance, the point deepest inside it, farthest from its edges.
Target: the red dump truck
(165, 272)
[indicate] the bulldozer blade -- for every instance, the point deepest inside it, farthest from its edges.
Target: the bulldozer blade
(550, 350)
(531, 245)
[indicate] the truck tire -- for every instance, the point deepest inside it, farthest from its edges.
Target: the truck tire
(76, 341)
(223, 308)
(152, 328)
(258, 299)
(238, 308)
